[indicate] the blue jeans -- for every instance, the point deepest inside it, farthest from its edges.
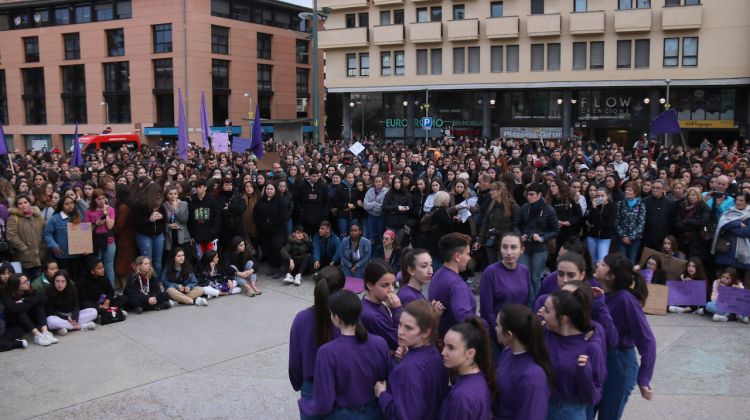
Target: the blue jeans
(253, 277)
(345, 224)
(536, 263)
(358, 274)
(630, 251)
(369, 411)
(598, 248)
(289, 227)
(306, 392)
(565, 410)
(622, 371)
(152, 247)
(375, 229)
(711, 308)
(108, 258)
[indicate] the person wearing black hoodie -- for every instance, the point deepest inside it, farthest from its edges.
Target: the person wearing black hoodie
(348, 199)
(143, 288)
(10, 337)
(270, 217)
(204, 221)
(231, 206)
(311, 201)
(25, 309)
(63, 312)
(95, 291)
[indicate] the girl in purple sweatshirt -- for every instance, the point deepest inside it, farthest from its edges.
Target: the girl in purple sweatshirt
(416, 271)
(381, 307)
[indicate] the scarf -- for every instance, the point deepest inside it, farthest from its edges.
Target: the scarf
(633, 202)
(742, 245)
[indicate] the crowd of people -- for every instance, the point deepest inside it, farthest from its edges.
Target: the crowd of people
(554, 226)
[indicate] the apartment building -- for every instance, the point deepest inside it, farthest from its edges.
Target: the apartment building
(120, 63)
(538, 68)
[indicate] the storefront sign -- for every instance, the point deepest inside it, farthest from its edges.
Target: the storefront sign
(707, 124)
(531, 132)
(436, 123)
(597, 107)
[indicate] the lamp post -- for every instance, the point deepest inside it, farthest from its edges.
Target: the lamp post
(314, 17)
(250, 111)
(106, 111)
(426, 107)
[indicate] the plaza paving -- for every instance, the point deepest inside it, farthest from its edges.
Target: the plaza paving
(229, 361)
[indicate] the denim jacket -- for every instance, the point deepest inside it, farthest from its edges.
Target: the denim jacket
(347, 252)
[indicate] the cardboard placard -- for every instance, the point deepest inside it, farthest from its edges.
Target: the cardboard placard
(266, 164)
(733, 300)
(673, 267)
(656, 303)
(80, 239)
(687, 293)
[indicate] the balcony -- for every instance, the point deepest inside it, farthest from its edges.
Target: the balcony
(463, 29)
(387, 2)
(343, 38)
(343, 4)
(501, 27)
(543, 25)
(424, 32)
(586, 23)
(632, 20)
(683, 17)
(388, 35)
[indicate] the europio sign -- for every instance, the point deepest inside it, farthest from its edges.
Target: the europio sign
(436, 123)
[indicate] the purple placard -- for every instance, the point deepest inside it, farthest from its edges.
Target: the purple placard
(354, 284)
(692, 292)
(733, 300)
(647, 275)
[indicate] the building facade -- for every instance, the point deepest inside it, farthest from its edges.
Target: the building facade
(120, 63)
(538, 68)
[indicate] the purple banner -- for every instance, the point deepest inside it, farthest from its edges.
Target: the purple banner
(648, 275)
(733, 300)
(692, 292)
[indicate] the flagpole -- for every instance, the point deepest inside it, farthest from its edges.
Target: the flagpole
(12, 167)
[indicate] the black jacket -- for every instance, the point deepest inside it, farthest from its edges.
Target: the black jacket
(204, 220)
(601, 221)
(133, 290)
(270, 216)
(541, 221)
(312, 203)
(395, 218)
(91, 289)
(141, 223)
(348, 194)
(63, 305)
(231, 208)
(660, 215)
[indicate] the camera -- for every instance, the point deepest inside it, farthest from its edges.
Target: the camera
(717, 194)
(492, 235)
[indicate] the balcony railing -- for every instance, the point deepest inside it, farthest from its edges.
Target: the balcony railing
(388, 34)
(343, 38)
(586, 23)
(463, 29)
(682, 17)
(501, 27)
(423, 32)
(632, 20)
(543, 25)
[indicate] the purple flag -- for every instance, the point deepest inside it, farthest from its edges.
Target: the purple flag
(257, 135)
(182, 136)
(3, 146)
(666, 122)
(77, 157)
(205, 126)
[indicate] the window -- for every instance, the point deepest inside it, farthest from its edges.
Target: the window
(219, 40)
(220, 74)
(537, 7)
(163, 75)
(264, 46)
(103, 11)
(351, 20)
(436, 61)
(3, 100)
(422, 15)
(385, 17)
(642, 53)
(421, 62)
(690, 51)
(72, 45)
(398, 16)
(643, 4)
(364, 20)
(124, 10)
(220, 8)
(303, 83)
(596, 55)
(474, 59)
(117, 91)
(459, 60)
(671, 52)
(496, 9)
(351, 65)
(537, 57)
(31, 49)
(33, 95)
(400, 63)
(74, 94)
(459, 12)
(496, 58)
(579, 56)
(623, 54)
(385, 63)
(83, 13)
(265, 78)
(436, 14)
(303, 51)
(512, 58)
(41, 17)
(364, 64)
(553, 56)
(580, 5)
(264, 102)
(62, 15)
(115, 42)
(164, 92)
(162, 35)
(669, 3)
(220, 90)
(630, 4)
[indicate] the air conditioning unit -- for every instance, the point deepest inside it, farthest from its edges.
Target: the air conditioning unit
(301, 104)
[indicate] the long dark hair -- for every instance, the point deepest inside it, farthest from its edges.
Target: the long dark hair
(475, 336)
(347, 306)
(625, 278)
(185, 269)
(328, 280)
(527, 329)
(70, 289)
(575, 305)
(577, 246)
(14, 283)
(375, 270)
(122, 195)
(205, 262)
(409, 260)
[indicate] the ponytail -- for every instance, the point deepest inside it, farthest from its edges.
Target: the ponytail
(625, 278)
(640, 288)
(528, 330)
(475, 336)
(328, 280)
(573, 305)
(360, 332)
(347, 306)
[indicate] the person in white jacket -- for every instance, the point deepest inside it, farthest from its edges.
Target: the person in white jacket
(374, 208)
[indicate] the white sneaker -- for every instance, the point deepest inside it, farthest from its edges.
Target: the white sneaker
(673, 309)
(88, 326)
(124, 313)
(51, 338)
(201, 301)
(720, 318)
(288, 279)
(172, 303)
(22, 342)
(699, 311)
(41, 340)
(298, 279)
(61, 331)
(235, 291)
(745, 319)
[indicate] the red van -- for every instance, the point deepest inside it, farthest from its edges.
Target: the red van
(111, 141)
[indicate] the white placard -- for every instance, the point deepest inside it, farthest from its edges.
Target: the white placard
(356, 148)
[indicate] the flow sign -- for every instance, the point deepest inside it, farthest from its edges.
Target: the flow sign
(427, 123)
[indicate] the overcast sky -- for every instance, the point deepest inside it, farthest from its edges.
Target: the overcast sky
(306, 3)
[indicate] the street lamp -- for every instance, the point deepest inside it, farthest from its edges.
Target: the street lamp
(646, 101)
(250, 111)
(106, 111)
(667, 105)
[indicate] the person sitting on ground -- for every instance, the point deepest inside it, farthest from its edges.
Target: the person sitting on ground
(44, 281)
(296, 255)
(356, 252)
(10, 337)
(6, 271)
(211, 276)
(326, 248)
(95, 290)
(179, 281)
(24, 308)
(143, 289)
(239, 265)
(63, 312)
(728, 278)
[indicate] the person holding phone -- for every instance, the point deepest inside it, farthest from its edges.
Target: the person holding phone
(600, 222)
(102, 219)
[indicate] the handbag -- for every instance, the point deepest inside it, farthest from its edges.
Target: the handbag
(723, 245)
(111, 315)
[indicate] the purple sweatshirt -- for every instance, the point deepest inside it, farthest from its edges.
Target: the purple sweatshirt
(380, 320)
(416, 386)
(448, 288)
(346, 372)
(574, 383)
(409, 294)
(549, 284)
(522, 387)
(468, 399)
(634, 331)
(303, 347)
(500, 286)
